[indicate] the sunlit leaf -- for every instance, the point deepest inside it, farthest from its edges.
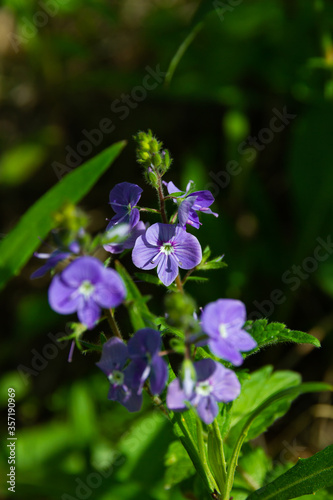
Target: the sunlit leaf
(23, 240)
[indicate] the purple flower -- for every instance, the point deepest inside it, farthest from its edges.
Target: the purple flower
(143, 349)
(134, 233)
(53, 258)
(86, 286)
(214, 384)
(198, 201)
(123, 198)
(122, 386)
(167, 247)
(51, 262)
(223, 322)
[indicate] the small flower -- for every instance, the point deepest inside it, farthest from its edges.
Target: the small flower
(198, 201)
(214, 384)
(122, 387)
(143, 349)
(123, 198)
(129, 242)
(188, 377)
(86, 286)
(223, 322)
(51, 262)
(167, 247)
(53, 258)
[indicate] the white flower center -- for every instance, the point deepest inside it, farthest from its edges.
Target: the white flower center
(86, 288)
(167, 248)
(223, 330)
(203, 388)
(116, 378)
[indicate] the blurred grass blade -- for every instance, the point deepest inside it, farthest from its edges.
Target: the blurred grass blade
(305, 478)
(23, 240)
(181, 51)
(205, 7)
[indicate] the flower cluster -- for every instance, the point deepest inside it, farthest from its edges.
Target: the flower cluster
(208, 384)
(87, 286)
(129, 366)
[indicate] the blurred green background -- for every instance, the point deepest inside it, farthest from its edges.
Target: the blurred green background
(68, 65)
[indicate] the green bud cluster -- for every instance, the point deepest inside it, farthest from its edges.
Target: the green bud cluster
(151, 155)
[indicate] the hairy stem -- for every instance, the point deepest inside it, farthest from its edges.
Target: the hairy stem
(179, 284)
(112, 322)
(162, 201)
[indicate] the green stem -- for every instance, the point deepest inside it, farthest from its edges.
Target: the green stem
(179, 284)
(219, 442)
(113, 324)
(162, 202)
(157, 402)
(202, 454)
(188, 274)
(152, 210)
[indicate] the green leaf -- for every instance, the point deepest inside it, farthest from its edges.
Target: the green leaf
(23, 240)
(255, 390)
(178, 463)
(102, 338)
(138, 311)
(198, 279)
(206, 254)
(253, 467)
(282, 394)
(148, 436)
(216, 455)
(306, 477)
(184, 424)
(90, 347)
(148, 278)
(272, 333)
(215, 263)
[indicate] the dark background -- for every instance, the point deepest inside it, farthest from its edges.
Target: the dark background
(63, 65)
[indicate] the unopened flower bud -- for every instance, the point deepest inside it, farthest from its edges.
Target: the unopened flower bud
(154, 146)
(156, 160)
(143, 155)
(188, 377)
(152, 179)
